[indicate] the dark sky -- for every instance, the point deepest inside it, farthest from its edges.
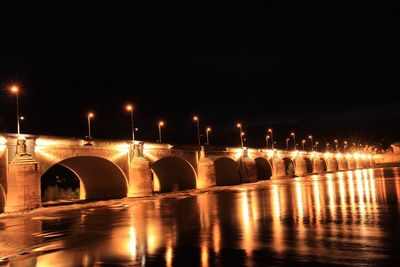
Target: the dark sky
(330, 70)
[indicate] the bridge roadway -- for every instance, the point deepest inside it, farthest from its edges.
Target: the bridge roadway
(117, 169)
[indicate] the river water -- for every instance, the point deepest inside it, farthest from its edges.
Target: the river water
(345, 218)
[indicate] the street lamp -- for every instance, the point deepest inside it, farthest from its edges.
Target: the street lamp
(272, 138)
(312, 144)
(345, 146)
(241, 137)
(287, 144)
(239, 125)
(14, 89)
(303, 142)
(208, 130)
(316, 145)
(337, 145)
(294, 140)
(129, 108)
(90, 115)
(196, 119)
(327, 148)
(160, 125)
(267, 140)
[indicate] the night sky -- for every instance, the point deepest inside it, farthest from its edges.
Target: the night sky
(332, 71)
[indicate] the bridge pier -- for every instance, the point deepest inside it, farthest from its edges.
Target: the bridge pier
(331, 165)
(248, 170)
(23, 185)
(206, 173)
(351, 163)
(140, 177)
(342, 164)
(359, 164)
(318, 165)
(279, 168)
(300, 166)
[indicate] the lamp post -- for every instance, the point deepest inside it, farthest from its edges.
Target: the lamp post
(196, 119)
(294, 140)
(14, 89)
(287, 144)
(239, 125)
(303, 142)
(312, 144)
(272, 137)
(337, 145)
(344, 146)
(327, 148)
(267, 140)
(316, 145)
(208, 130)
(90, 115)
(160, 125)
(129, 108)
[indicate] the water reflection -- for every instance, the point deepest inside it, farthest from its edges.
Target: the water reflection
(338, 218)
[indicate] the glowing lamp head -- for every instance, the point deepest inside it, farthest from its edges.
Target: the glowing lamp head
(303, 141)
(336, 140)
(287, 139)
(14, 89)
(161, 123)
(195, 118)
(208, 129)
(268, 136)
(292, 133)
(129, 107)
(239, 125)
(90, 114)
(242, 134)
(270, 130)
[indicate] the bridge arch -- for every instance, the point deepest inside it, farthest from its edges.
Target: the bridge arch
(99, 177)
(2, 199)
(227, 171)
(289, 166)
(172, 173)
(264, 169)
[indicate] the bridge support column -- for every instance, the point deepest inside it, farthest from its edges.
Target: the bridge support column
(278, 168)
(351, 163)
(23, 186)
(206, 173)
(300, 167)
(318, 165)
(140, 181)
(342, 164)
(331, 165)
(359, 164)
(248, 170)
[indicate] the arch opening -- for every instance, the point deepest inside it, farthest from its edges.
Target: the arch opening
(99, 178)
(173, 174)
(60, 183)
(227, 171)
(264, 169)
(289, 167)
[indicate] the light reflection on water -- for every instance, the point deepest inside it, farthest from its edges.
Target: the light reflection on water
(343, 218)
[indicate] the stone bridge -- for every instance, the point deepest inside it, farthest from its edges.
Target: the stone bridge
(117, 169)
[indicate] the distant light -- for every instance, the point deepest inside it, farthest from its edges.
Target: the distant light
(129, 107)
(195, 118)
(22, 118)
(239, 125)
(90, 114)
(208, 129)
(14, 89)
(161, 123)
